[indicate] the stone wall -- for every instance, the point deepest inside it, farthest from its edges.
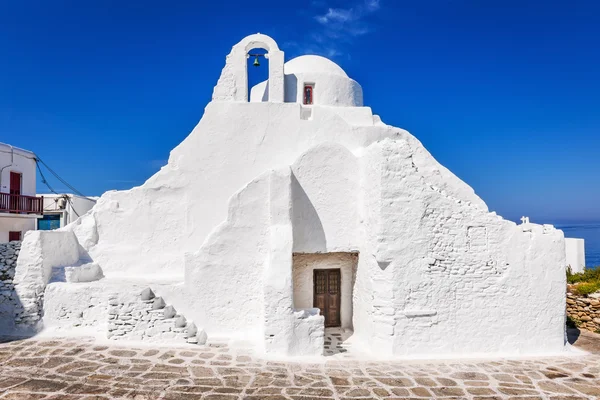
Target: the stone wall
(584, 310)
(9, 303)
(145, 317)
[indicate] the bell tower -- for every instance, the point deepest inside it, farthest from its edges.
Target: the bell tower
(233, 82)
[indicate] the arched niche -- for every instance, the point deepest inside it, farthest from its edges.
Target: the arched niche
(233, 83)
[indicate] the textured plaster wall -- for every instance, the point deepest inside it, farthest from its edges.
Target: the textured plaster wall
(12, 223)
(21, 161)
(68, 305)
(305, 264)
(132, 241)
(445, 265)
(224, 278)
(41, 251)
(324, 200)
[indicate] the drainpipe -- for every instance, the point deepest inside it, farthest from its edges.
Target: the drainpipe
(12, 161)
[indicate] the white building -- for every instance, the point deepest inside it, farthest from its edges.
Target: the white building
(62, 209)
(299, 211)
(19, 207)
(575, 254)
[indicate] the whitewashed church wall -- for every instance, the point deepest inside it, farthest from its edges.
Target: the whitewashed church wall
(190, 193)
(69, 306)
(224, 279)
(453, 264)
(325, 194)
(434, 265)
(287, 331)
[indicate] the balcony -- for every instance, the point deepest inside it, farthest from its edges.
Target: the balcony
(18, 204)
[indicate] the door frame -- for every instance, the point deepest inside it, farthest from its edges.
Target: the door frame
(10, 182)
(338, 322)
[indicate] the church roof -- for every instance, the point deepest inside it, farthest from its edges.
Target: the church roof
(313, 64)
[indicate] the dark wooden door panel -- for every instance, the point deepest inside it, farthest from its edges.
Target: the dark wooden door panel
(327, 295)
(15, 183)
(320, 290)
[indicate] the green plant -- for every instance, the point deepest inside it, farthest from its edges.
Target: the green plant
(586, 288)
(585, 282)
(589, 275)
(572, 322)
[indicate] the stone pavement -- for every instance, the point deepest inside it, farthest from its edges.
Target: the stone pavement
(79, 368)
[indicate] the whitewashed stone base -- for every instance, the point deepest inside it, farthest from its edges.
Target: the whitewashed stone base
(144, 317)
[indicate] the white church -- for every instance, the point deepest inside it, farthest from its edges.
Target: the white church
(292, 214)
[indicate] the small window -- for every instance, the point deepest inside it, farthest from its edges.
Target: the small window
(14, 236)
(308, 94)
(49, 222)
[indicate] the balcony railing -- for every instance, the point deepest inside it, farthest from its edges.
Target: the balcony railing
(16, 203)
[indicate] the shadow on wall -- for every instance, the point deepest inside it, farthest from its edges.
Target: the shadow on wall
(291, 88)
(308, 232)
(10, 304)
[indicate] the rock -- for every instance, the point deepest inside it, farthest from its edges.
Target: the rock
(169, 312)
(202, 337)
(192, 330)
(158, 304)
(147, 294)
(181, 322)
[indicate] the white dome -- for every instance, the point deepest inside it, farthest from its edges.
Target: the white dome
(313, 64)
(331, 86)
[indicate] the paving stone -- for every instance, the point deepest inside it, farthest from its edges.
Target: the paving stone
(39, 385)
(22, 396)
(589, 390)
(447, 391)
(10, 381)
(220, 372)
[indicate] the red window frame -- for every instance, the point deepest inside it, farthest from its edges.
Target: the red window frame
(311, 90)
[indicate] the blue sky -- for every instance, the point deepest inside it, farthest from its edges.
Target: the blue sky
(506, 94)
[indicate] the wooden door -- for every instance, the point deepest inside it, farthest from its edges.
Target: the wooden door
(15, 190)
(327, 295)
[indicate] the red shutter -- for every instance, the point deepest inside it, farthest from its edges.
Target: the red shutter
(15, 183)
(14, 236)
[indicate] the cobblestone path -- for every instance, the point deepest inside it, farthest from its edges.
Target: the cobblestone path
(82, 369)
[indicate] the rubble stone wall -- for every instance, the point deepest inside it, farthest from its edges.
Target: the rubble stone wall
(145, 317)
(10, 307)
(584, 310)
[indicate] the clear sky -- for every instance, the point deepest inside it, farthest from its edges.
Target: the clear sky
(506, 94)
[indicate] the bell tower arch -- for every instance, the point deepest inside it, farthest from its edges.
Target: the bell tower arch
(233, 82)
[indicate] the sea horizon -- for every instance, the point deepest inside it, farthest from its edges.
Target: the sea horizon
(590, 233)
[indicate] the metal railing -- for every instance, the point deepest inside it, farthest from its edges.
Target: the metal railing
(16, 203)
